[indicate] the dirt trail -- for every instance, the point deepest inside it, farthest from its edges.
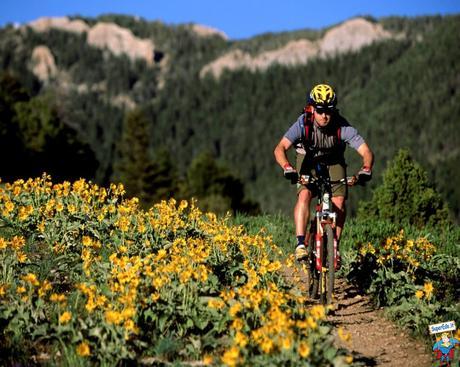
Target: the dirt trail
(375, 341)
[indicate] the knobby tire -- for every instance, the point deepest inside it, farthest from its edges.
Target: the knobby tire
(314, 275)
(330, 274)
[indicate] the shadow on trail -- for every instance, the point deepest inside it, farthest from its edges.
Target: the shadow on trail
(360, 360)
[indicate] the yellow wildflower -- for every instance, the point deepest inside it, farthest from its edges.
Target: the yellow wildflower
(25, 211)
(131, 326)
(286, 343)
(231, 356)
(21, 256)
(71, 209)
(18, 242)
(83, 349)
(123, 223)
(45, 287)
(240, 339)
(266, 345)
(235, 308)
(304, 349)
(41, 227)
(65, 317)
(31, 278)
(207, 360)
(113, 317)
(428, 288)
(9, 207)
(3, 243)
(86, 241)
(237, 324)
(318, 312)
(58, 297)
(343, 335)
(216, 303)
(419, 294)
(59, 206)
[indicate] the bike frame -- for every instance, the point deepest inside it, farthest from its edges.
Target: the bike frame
(322, 236)
(324, 215)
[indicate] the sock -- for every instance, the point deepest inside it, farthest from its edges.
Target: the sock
(301, 240)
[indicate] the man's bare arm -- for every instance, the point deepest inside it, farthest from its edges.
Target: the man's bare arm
(366, 153)
(280, 152)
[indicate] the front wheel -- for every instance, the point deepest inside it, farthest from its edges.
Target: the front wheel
(313, 273)
(330, 274)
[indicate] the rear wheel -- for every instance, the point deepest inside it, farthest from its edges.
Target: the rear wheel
(330, 273)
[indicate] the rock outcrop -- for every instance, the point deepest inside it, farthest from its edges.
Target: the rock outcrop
(205, 31)
(351, 36)
(43, 63)
(110, 36)
(294, 53)
(348, 36)
(120, 40)
(62, 23)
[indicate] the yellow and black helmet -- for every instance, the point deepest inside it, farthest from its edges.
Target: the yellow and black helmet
(322, 95)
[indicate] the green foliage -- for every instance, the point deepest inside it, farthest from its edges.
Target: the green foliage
(406, 196)
(215, 187)
(278, 226)
(145, 178)
(164, 180)
(398, 269)
(412, 272)
(87, 278)
(38, 122)
(36, 137)
(405, 89)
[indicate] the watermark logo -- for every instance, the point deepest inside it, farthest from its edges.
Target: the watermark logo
(444, 343)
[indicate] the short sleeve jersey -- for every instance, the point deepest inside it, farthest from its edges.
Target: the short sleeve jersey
(324, 143)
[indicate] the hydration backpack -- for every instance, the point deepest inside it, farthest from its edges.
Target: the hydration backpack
(308, 120)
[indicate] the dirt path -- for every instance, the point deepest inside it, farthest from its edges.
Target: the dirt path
(375, 341)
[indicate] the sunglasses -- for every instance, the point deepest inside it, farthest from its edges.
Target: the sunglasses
(327, 111)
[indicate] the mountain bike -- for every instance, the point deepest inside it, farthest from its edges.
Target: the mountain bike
(321, 263)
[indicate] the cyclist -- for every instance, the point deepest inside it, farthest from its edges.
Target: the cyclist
(322, 142)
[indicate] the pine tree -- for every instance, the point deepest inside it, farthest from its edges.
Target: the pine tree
(163, 179)
(215, 187)
(406, 196)
(135, 167)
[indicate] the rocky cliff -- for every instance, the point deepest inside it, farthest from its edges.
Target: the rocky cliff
(348, 36)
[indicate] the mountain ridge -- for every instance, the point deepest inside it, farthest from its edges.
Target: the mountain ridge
(348, 36)
(388, 89)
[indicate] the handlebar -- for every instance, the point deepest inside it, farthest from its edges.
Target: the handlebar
(349, 180)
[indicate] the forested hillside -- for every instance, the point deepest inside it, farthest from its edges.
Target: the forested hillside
(400, 92)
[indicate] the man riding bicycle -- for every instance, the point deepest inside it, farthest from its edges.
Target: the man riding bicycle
(320, 136)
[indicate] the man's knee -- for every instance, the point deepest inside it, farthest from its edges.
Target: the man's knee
(339, 202)
(304, 196)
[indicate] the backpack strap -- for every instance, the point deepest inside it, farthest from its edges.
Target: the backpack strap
(308, 122)
(308, 119)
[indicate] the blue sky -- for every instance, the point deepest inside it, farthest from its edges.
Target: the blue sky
(237, 18)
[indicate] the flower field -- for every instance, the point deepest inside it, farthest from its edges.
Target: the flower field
(87, 278)
(414, 274)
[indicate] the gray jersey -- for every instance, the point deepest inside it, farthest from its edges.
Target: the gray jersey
(324, 142)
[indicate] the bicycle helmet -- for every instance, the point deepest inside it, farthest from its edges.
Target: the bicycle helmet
(322, 95)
